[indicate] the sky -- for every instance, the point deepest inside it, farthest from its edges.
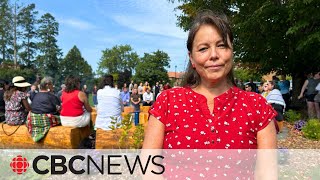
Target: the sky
(94, 25)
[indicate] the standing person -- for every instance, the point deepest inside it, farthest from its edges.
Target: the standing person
(276, 100)
(209, 111)
(310, 84)
(109, 104)
(166, 86)
(253, 85)
(75, 111)
(140, 90)
(145, 87)
(156, 90)
(86, 91)
(125, 96)
(94, 95)
(33, 91)
(248, 88)
(317, 99)
(59, 94)
(265, 91)
(135, 100)
(131, 87)
(284, 87)
(17, 106)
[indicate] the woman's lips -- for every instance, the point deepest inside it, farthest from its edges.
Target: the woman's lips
(214, 67)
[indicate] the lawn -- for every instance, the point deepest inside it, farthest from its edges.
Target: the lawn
(90, 100)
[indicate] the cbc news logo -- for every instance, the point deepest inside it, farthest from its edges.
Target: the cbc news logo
(19, 164)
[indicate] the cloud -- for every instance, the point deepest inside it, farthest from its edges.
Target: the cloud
(155, 17)
(77, 23)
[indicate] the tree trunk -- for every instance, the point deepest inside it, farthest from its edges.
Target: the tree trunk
(297, 83)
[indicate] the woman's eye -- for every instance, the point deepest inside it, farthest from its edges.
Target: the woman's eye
(222, 45)
(203, 49)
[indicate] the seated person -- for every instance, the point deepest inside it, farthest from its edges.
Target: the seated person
(17, 106)
(45, 111)
(75, 108)
(109, 105)
(147, 98)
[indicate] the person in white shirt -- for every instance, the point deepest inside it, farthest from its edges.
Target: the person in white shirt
(110, 104)
(276, 100)
(147, 98)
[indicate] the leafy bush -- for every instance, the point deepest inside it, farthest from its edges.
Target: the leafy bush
(312, 129)
(138, 136)
(291, 116)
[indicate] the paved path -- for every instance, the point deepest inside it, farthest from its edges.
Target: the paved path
(284, 133)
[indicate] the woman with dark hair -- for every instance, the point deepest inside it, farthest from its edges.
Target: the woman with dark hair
(16, 103)
(209, 111)
(75, 111)
(109, 104)
(45, 111)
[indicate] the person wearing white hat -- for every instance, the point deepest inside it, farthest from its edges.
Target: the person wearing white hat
(16, 104)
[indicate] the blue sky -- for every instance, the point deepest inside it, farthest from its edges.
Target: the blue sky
(94, 25)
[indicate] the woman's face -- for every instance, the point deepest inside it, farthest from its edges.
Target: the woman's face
(265, 86)
(211, 58)
(270, 86)
(247, 88)
(50, 86)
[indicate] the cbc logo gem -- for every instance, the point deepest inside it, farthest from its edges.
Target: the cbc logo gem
(19, 164)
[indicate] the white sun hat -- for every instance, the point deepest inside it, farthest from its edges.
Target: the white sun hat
(19, 81)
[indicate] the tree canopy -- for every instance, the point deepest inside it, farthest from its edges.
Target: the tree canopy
(75, 64)
(118, 59)
(280, 36)
(152, 66)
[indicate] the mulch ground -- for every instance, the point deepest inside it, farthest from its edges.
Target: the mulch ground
(295, 140)
(298, 157)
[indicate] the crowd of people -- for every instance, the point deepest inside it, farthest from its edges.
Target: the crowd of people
(210, 110)
(37, 106)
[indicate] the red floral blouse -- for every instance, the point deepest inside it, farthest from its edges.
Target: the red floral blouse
(237, 117)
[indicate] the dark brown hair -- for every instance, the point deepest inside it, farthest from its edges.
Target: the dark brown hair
(107, 80)
(72, 83)
(218, 20)
(8, 93)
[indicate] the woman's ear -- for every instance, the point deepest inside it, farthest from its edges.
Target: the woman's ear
(190, 57)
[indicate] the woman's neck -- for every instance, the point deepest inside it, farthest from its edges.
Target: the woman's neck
(213, 89)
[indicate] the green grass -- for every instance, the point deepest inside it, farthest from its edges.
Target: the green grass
(90, 100)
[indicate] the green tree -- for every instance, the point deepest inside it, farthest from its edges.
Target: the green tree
(7, 72)
(6, 36)
(48, 61)
(152, 67)
(246, 74)
(118, 59)
(280, 36)
(75, 64)
(27, 22)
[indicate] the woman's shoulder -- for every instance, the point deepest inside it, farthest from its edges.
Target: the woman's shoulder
(20, 94)
(177, 90)
(252, 97)
(275, 91)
